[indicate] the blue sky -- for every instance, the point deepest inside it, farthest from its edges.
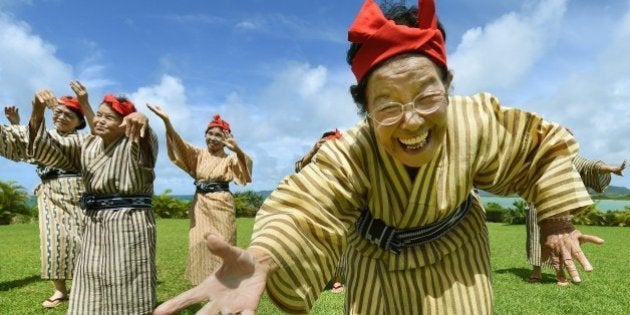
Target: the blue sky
(276, 69)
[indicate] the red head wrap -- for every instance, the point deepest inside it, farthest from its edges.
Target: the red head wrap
(71, 102)
(123, 108)
(381, 38)
(332, 135)
(218, 122)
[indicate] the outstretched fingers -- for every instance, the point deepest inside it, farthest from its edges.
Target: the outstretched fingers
(182, 301)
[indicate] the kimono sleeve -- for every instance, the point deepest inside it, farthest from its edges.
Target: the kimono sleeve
(13, 142)
(591, 175)
(242, 172)
(59, 152)
(182, 153)
(303, 226)
(520, 152)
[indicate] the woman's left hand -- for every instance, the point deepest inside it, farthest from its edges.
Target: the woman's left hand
(230, 142)
(560, 242)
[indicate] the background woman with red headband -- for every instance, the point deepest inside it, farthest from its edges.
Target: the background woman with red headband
(212, 209)
(394, 194)
(58, 194)
(115, 272)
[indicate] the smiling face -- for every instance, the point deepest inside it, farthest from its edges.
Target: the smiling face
(107, 124)
(415, 138)
(214, 139)
(65, 119)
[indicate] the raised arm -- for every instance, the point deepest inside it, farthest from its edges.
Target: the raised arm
(180, 152)
(63, 153)
(82, 96)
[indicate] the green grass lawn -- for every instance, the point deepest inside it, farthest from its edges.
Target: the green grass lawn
(605, 291)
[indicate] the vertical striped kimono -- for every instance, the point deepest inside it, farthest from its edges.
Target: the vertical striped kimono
(211, 212)
(115, 272)
(60, 216)
(592, 178)
(303, 222)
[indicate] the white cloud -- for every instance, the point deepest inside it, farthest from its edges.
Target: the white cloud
(499, 54)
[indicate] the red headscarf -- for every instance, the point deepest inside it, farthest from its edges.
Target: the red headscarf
(218, 122)
(123, 108)
(332, 135)
(71, 102)
(381, 38)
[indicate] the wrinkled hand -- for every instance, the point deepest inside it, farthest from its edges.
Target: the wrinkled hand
(230, 142)
(159, 112)
(45, 98)
(80, 91)
(619, 169)
(135, 126)
(235, 288)
(561, 244)
(13, 114)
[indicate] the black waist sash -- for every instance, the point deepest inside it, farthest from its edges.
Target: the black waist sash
(104, 202)
(54, 174)
(208, 187)
(394, 240)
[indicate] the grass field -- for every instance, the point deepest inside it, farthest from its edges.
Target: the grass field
(605, 291)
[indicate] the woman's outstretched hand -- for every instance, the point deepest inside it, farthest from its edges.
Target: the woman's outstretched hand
(235, 288)
(561, 244)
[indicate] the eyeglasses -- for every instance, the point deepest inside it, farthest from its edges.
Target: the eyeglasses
(424, 104)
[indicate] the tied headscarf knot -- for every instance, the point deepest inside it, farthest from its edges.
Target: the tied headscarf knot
(71, 102)
(122, 107)
(333, 135)
(381, 38)
(218, 122)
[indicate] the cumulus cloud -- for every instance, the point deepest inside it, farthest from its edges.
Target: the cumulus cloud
(27, 63)
(499, 54)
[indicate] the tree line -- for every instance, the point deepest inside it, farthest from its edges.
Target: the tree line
(14, 208)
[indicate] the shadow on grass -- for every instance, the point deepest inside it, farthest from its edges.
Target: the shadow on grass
(523, 274)
(6, 286)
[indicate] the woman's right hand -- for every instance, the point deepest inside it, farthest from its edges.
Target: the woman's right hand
(159, 112)
(44, 99)
(235, 288)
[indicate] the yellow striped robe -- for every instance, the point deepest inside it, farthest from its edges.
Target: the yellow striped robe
(60, 216)
(303, 222)
(115, 272)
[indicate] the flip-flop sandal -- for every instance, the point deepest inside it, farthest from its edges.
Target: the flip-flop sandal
(51, 303)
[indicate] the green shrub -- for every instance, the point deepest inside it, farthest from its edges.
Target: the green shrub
(494, 212)
(247, 203)
(166, 206)
(517, 213)
(13, 205)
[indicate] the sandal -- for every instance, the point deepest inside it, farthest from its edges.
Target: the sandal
(337, 288)
(51, 303)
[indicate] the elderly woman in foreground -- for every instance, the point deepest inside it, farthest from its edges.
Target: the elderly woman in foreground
(394, 194)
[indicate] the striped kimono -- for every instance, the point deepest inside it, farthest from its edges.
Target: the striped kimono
(211, 212)
(115, 272)
(303, 223)
(60, 216)
(592, 178)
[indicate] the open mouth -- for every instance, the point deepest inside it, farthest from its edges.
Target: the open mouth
(415, 143)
